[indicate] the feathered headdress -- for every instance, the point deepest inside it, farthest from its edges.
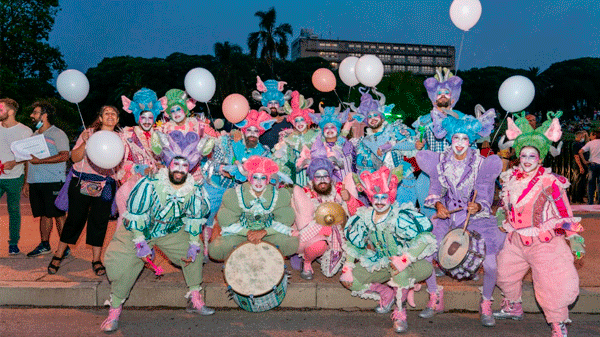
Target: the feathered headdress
(474, 127)
(299, 106)
(260, 119)
(368, 104)
(179, 97)
(381, 181)
(258, 164)
(445, 80)
(143, 100)
(541, 138)
(178, 144)
(330, 115)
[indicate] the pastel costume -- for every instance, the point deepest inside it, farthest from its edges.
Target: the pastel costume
(539, 221)
(241, 211)
(162, 216)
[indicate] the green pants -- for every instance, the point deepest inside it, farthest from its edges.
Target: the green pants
(123, 266)
(220, 248)
(415, 272)
(12, 188)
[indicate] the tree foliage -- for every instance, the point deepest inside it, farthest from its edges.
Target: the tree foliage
(270, 39)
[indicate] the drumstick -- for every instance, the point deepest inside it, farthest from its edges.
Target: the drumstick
(450, 212)
(158, 271)
(469, 214)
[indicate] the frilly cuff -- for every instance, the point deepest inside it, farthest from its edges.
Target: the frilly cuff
(234, 228)
(366, 294)
(139, 239)
(136, 221)
(281, 228)
(193, 226)
(431, 200)
(485, 212)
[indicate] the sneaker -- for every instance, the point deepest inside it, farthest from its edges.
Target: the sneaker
(435, 304)
(196, 304)
(41, 249)
(13, 250)
(512, 310)
(559, 330)
(487, 317)
(67, 252)
(399, 319)
(111, 323)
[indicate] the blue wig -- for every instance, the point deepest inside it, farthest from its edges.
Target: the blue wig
(145, 100)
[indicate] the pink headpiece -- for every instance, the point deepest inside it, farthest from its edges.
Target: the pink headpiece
(260, 119)
(298, 111)
(258, 164)
(381, 181)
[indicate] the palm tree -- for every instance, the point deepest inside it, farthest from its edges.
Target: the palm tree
(270, 39)
(231, 69)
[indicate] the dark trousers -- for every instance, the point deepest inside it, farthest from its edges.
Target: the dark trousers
(593, 183)
(81, 208)
(579, 185)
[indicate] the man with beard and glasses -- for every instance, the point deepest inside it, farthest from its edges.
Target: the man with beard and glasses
(270, 95)
(317, 240)
(255, 211)
(543, 235)
(167, 210)
(11, 172)
(45, 177)
(462, 188)
(386, 144)
(391, 242)
(139, 160)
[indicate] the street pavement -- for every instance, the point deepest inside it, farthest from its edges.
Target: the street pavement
(25, 281)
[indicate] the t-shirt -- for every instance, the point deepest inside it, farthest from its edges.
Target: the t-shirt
(57, 141)
(7, 136)
(578, 146)
(593, 147)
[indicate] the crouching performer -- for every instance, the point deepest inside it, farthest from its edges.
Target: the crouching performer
(391, 242)
(167, 211)
(255, 211)
(539, 222)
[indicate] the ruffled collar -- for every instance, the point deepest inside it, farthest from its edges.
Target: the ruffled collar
(167, 187)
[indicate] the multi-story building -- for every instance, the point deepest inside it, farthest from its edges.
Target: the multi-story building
(416, 58)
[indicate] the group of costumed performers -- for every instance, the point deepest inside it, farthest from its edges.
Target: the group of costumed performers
(379, 207)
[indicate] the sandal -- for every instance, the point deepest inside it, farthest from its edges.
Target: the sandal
(98, 268)
(52, 268)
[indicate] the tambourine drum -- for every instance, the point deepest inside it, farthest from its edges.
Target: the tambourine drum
(461, 253)
(330, 213)
(255, 275)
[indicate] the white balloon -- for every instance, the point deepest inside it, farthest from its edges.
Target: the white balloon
(465, 13)
(105, 149)
(347, 71)
(516, 93)
(200, 84)
(369, 70)
(72, 85)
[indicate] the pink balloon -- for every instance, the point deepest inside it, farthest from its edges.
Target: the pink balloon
(323, 80)
(235, 108)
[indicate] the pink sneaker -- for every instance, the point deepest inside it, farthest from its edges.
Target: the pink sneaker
(487, 318)
(512, 310)
(111, 323)
(387, 297)
(399, 319)
(196, 304)
(559, 330)
(435, 304)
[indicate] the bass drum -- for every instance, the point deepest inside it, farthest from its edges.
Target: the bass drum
(461, 253)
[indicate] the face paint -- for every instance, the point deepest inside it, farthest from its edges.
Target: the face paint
(146, 120)
(442, 98)
(300, 124)
(258, 182)
(330, 130)
(178, 114)
(381, 202)
(374, 119)
(178, 170)
(273, 107)
(3, 112)
(460, 143)
(529, 159)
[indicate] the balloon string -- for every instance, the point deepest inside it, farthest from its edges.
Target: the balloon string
(338, 97)
(349, 90)
(459, 52)
(499, 127)
(208, 111)
(80, 116)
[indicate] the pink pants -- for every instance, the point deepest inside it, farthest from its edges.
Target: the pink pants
(555, 279)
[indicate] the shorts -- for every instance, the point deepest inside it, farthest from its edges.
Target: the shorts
(41, 198)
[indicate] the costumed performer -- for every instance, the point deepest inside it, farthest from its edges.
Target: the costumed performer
(391, 242)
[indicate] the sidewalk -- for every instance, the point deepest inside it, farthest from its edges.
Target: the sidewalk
(25, 281)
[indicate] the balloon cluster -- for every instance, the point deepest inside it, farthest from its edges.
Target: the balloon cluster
(367, 70)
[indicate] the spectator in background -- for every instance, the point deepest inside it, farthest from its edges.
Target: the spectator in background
(581, 170)
(532, 120)
(593, 147)
(11, 172)
(486, 150)
(45, 177)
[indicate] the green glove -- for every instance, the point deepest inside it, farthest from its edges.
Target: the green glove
(500, 217)
(577, 244)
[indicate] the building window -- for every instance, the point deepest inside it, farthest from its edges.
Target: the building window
(381, 47)
(400, 58)
(350, 46)
(395, 47)
(427, 60)
(413, 59)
